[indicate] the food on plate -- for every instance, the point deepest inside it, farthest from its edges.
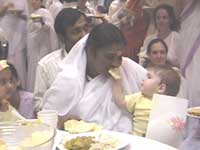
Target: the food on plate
(13, 148)
(115, 73)
(194, 111)
(75, 126)
(35, 16)
(36, 138)
(29, 122)
(102, 146)
(79, 143)
(93, 141)
(2, 145)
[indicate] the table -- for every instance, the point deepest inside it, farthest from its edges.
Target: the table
(136, 143)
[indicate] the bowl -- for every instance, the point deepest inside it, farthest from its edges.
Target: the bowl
(34, 136)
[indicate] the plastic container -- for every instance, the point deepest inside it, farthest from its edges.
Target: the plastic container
(33, 136)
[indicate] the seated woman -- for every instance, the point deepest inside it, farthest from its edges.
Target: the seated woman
(83, 89)
(167, 27)
(21, 100)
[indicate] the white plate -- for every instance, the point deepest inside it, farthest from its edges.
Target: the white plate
(122, 142)
(193, 116)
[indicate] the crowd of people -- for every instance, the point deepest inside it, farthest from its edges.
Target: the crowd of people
(56, 54)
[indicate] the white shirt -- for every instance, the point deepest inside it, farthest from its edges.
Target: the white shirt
(47, 70)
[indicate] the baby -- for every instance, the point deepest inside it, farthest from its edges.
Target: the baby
(161, 80)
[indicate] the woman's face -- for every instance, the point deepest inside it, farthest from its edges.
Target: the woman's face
(162, 19)
(6, 84)
(76, 32)
(158, 54)
(107, 58)
(36, 4)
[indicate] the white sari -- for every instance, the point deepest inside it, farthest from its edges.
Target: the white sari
(71, 93)
(189, 53)
(42, 40)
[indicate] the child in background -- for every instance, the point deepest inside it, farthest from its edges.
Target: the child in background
(161, 80)
(21, 100)
(7, 112)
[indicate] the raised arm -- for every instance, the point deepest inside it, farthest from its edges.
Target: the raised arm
(117, 91)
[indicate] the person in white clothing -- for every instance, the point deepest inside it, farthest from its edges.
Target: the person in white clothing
(55, 7)
(189, 53)
(42, 39)
(167, 26)
(13, 21)
(83, 89)
(69, 24)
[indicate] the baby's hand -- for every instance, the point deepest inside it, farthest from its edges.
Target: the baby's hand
(117, 86)
(4, 105)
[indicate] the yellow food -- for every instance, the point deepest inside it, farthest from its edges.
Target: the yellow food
(36, 138)
(75, 126)
(194, 111)
(2, 145)
(115, 73)
(79, 143)
(35, 16)
(30, 122)
(13, 148)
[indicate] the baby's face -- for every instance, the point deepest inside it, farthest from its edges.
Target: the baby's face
(151, 84)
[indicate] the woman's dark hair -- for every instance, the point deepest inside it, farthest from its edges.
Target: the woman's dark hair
(174, 23)
(67, 17)
(14, 74)
(154, 41)
(13, 71)
(104, 35)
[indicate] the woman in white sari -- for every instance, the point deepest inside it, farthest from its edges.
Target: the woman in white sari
(42, 39)
(55, 8)
(13, 21)
(189, 53)
(84, 88)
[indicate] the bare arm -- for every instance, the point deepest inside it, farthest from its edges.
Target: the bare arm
(117, 91)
